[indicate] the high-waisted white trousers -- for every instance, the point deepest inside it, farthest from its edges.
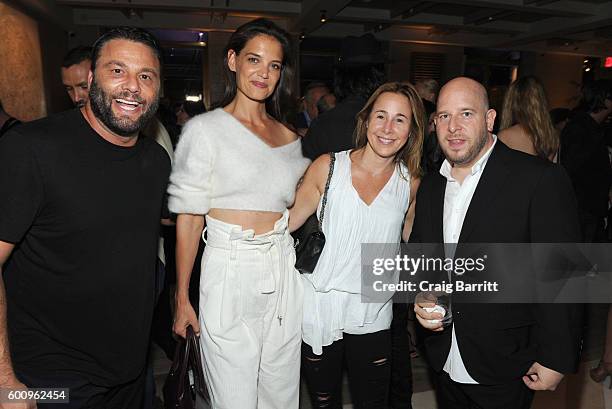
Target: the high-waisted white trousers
(251, 317)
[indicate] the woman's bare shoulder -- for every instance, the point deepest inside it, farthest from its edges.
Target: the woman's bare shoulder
(319, 169)
(285, 133)
(517, 138)
(322, 161)
(515, 132)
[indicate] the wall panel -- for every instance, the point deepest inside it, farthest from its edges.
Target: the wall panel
(21, 78)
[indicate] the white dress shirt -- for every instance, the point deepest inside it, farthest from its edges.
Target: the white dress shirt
(457, 200)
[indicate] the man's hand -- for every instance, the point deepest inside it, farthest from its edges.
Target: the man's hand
(425, 318)
(14, 384)
(541, 378)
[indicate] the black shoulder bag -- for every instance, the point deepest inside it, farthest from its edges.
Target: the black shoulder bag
(309, 239)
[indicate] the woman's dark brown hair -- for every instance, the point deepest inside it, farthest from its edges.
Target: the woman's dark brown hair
(284, 89)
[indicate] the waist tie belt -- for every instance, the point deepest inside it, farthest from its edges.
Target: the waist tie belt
(236, 240)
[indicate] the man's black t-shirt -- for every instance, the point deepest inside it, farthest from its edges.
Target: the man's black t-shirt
(84, 214)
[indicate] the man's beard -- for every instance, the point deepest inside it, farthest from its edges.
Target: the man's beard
(101, 105)
(472, 152)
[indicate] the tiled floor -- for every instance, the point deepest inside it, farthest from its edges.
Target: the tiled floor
(575, 392)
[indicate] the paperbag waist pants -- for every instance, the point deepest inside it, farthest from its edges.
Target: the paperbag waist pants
(251, 317)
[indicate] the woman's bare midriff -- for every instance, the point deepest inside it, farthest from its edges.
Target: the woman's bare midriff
(260, 222)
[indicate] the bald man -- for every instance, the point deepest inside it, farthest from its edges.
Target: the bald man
(493, 355)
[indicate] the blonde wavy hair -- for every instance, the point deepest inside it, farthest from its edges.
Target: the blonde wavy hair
(525, 104)
(410, 153)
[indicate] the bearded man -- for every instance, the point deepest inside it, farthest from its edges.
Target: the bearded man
(494, 355)
(80, 218)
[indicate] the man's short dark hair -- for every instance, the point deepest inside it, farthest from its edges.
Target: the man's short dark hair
(594, 96)
(558, 115)
(193, 108)
(76, 56)
(135, 34)
(358, 81)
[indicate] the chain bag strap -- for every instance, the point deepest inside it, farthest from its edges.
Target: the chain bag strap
(309, 238)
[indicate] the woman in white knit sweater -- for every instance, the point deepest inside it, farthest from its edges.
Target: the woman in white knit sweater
(236, 171)
(370, 197)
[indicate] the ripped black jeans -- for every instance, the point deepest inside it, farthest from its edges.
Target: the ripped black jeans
(368, 362)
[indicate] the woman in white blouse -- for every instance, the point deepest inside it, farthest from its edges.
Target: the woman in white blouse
(370, 197)
(236, 171)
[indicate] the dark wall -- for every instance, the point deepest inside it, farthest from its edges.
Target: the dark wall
(53, 43)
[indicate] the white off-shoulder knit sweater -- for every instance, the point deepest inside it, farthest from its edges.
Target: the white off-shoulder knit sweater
(220, 163)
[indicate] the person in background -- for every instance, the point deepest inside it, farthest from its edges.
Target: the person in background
(604, 369)
(167, 116)
(161, 332)
(432, 155)
(592, 119)
(75, 71)
(371, 196)
(584, 154)
(188, 110)
(333, 132)
(428, 91)
(313, 93)
(560, 117)
(525, 121)
(166, 122)
(326, 103)
(236, 170)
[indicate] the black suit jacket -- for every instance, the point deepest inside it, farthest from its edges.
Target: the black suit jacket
(332, 131)
(584, 155)
(299, 122)
(519, 199)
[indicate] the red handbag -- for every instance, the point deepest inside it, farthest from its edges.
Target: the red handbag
(185, 386)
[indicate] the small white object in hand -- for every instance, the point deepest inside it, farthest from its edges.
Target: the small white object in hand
(437, 308)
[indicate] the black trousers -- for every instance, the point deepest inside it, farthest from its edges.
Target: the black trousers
(85, 395)
(592, 228)
(400, 394)
(453, 395)
(368, 362)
